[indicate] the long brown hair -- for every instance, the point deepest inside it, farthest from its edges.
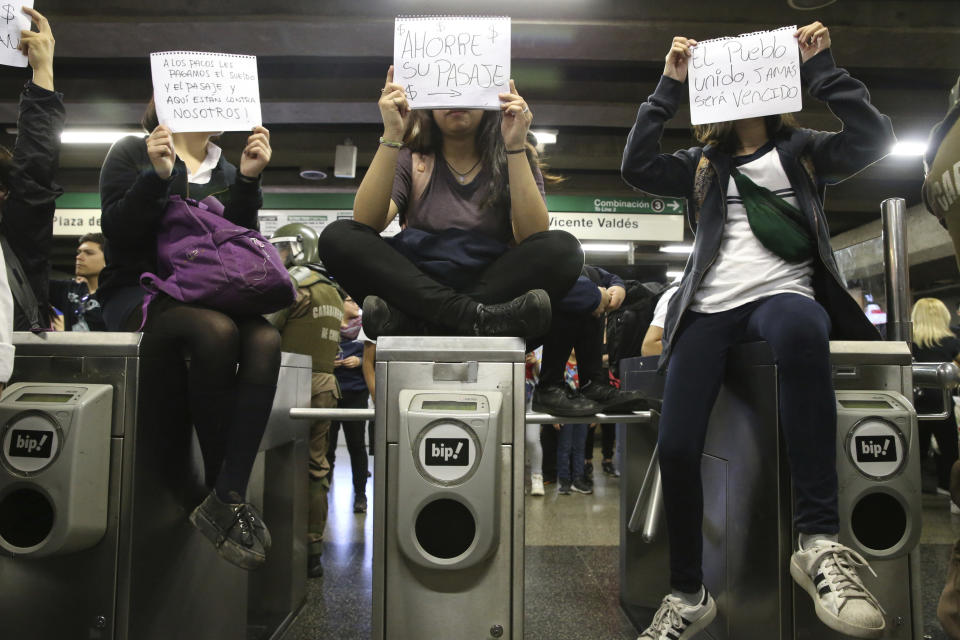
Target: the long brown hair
(723, 136)
(424, 136)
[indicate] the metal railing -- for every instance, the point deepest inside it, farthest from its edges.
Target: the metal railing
(531, 417)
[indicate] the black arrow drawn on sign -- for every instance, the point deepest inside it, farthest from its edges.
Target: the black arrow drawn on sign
(453, 93)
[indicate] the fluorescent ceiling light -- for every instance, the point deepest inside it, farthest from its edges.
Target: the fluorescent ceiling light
(674, 274)
(545, 136)
(92, 136)
(909, 148)
(611, 247)
(676, 248)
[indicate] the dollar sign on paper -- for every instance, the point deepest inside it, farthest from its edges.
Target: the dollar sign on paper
(410, 92)
(493, 33)
(7, 14)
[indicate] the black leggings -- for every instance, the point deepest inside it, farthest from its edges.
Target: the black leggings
(365, 265)
(234, 365)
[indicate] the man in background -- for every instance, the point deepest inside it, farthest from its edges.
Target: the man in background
(75, 298)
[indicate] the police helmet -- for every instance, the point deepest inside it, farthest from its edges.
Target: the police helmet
(297, 244)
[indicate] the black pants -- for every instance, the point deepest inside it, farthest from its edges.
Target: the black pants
(364, 264)
(945, 431)
(568, 331)
(355, 433)
(608, 436)
(797, 330)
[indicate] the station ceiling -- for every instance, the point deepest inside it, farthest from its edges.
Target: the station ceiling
(583, 65)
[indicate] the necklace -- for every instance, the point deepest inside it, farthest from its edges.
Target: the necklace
(462, 177)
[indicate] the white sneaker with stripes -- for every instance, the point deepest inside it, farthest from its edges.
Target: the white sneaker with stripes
(677, 620)
(828, 572)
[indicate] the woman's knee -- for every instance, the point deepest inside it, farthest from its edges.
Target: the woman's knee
(217, 333)
(335, 239)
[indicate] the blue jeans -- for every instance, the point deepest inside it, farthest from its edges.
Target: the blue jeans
(797, 330)
(571, 441)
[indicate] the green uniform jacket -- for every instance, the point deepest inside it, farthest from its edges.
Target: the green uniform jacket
(311, 325)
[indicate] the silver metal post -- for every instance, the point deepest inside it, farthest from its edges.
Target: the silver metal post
(531, 418)
(893, 215)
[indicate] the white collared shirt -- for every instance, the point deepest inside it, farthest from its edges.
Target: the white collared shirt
(202, 176)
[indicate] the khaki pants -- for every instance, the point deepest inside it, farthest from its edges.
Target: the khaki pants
(319, 472)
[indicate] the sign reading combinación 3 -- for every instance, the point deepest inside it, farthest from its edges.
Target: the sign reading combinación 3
(640, 218)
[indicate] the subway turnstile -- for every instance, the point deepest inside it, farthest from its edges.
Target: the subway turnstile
(448, 505)
(747, 529)
(99, 471)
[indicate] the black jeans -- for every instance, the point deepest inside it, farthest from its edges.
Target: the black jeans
(365, 264)
(355, 433)
(582, 332)
(797, 330)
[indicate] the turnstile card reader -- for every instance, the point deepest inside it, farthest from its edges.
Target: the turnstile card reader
(452, 439)
(448, 493)
(54, 467)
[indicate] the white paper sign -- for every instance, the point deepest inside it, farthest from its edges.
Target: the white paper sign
(197, 91)
(12, 21)
(752, 75)
(451, 61)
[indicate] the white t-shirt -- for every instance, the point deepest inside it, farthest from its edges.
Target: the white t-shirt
(745, 270)
(660, 311)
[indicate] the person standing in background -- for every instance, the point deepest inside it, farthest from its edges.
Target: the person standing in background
(348, 367)
(312, 326)
(75, 298)
(933, 341)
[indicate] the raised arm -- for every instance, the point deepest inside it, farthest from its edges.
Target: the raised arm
(246, 197)
(528, 209)
(644, 166)
(372, 205)
(133, 191)
(867, 134)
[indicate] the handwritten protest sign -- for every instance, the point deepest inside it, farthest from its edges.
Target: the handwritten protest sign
(452, 61)
(755, 74)
(12, 21)
(197, 91)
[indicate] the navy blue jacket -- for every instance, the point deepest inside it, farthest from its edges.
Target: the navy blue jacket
(866, 137)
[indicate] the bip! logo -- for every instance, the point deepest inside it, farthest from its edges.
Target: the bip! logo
(30, 444)
(875, 449)
(447, 452)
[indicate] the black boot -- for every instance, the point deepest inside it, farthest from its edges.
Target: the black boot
(526, 316)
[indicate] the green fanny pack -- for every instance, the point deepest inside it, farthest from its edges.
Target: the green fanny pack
(777, 224)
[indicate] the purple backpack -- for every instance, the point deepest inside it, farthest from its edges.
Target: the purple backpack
(205, 259)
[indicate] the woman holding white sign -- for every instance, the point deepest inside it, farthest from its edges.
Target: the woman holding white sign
(761, 269)
(475, 256)
(235, 361)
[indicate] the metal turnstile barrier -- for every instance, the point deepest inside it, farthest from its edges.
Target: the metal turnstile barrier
(100, 469)
(748, 532)
(448, 496)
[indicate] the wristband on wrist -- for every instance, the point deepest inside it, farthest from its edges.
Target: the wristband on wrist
(390, 143)
(513, 151)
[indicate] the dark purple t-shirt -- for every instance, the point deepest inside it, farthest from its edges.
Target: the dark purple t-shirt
(447, 204)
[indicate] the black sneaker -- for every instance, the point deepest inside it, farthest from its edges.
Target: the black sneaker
(360, 503)
(227, 526)
(526, 316)
(380, 318)
(255, 520)
(564, 488)
(609, 469)
(612, 400)
(580, 485)
(314, 566)
(588, 469)
(561, 400)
